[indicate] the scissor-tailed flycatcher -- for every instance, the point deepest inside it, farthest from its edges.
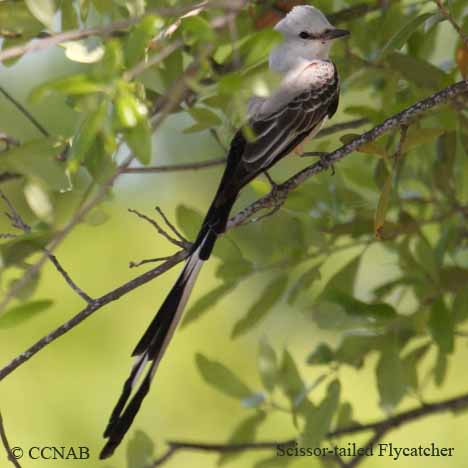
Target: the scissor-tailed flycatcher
(306, 98)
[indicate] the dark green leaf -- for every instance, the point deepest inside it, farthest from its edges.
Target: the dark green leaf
(221, 378)
(460, 306)
(19, 314)
(410, 362)
(244, 432)
(269, 297)
(441, 325)
(398, 40)
(267, 364)
(440, 368)
(390, 374)
(322, 354)
(289, 379)
(303, 283)
(138, 39)
(138, 139)
(319, 419)
(418, 71)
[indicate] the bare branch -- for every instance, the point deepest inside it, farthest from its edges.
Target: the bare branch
(18, 223)
(96, 304)
(172, 227)
(391, 123)
(24, 111)
(176, 167)
(402, 118)
(183, 244)
(380, 428)
(8, 450)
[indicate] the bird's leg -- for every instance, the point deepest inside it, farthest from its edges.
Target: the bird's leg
(273, 184)
(322, 155)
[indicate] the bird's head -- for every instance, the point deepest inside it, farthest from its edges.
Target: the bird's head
(308, 35)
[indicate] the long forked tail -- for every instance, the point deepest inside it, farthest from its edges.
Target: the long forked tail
(151, 347)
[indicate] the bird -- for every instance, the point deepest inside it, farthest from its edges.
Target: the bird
(305, 99)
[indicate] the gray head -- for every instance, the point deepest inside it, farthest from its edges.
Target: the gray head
(308, 35)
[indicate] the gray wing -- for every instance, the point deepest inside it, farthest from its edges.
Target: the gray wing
(276, 132)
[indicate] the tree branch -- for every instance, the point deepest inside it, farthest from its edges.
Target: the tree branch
(240, 218)
(24, 111)
(380, 428)
(446, 13)
(5, 443)
(402, 118)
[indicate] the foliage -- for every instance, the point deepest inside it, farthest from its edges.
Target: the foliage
(406, 193)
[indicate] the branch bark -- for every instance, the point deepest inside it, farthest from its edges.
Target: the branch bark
(6, 444)
(402, 118)
(380, 428)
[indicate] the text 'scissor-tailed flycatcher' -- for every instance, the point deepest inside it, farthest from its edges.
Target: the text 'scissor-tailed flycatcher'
(305, 99)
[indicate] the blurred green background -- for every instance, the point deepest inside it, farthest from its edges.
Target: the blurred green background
(64, 395)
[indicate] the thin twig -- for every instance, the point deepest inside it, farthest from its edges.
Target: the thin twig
(446, 13)
(148, 260)
(402, 118)
(380, 428)
(176, 167)
(8, 450)
(397, 120)
(172, 227)
(97, 304)
(158, 228)
(18, 222)
(24, 111)
(67, 278)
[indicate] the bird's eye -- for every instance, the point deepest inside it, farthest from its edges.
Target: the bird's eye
(304, 35)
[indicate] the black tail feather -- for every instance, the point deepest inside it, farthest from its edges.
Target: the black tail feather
(152, 345)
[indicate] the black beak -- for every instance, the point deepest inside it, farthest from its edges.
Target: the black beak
(336, 33)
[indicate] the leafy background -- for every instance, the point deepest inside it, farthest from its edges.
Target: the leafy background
(347, 305)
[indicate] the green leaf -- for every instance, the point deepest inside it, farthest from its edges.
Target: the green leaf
(86, 135)
(234, 270)
(382, 207)
(38, 159)
(418, 71)
(345, 415)
(267, 364)
(290, 380)
(140, 450)
(303, 283)
(221, 378)
(420, 136)
(441, 325)
(189, 221)
(354, 348)
(139, 38)
(410, 363)
(199, 29)
(319, 419)
(206, 302)
(43, 10)
(204, 119)
(269, 297)
(398, 40)
(139, 141)
(460, 306)
(75, 85)
(344, 279)
(22, 313)
(258, 45)
(390, 374)
(440, 368)
(245, 431)
(322, 354)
